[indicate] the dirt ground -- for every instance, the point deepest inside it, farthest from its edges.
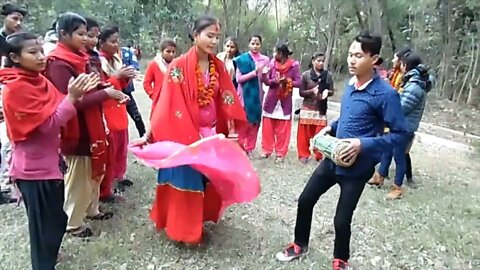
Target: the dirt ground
(432, 227)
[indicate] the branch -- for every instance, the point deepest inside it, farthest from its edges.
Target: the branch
(260, 13)
(358, 15)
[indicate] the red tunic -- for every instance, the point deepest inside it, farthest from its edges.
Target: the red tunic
(152, 83)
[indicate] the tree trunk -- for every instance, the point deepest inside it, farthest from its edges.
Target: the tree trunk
(277, 23)
(333, 12)
(226, 19)
(386, 22)
(446, 87)
(239, 19)
(209, 6)
(473, 98)
(375, 11)
(357, 6)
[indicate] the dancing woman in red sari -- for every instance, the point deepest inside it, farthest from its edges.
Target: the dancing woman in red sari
(197, 100)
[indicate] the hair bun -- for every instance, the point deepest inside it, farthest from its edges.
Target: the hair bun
(5, 8)
(9, 8)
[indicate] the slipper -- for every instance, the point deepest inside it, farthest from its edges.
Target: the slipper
(81, 232)
(102, 216)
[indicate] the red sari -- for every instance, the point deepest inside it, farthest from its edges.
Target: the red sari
(184, 197)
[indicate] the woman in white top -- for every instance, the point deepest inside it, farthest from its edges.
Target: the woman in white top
(230, 50)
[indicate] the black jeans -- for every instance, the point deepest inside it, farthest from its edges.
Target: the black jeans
(408, 167)
(351, 188)
(134, 113)
(47, 221)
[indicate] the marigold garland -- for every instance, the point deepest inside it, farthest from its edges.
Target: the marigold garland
(287, 89)
(205, 95)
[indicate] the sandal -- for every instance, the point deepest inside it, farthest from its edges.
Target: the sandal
(81, 232)
(113, 199)
(102, 216)
(125, 183)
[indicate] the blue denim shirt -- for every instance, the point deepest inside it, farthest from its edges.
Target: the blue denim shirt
(364, 113)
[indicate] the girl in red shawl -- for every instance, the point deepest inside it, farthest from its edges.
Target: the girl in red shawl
(155, 73)
(84, 140)
(198, 100)
(34, 112)
(106, 187)
(116, 113)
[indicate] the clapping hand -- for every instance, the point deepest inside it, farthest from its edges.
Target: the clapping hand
(126, 72)
(117, 95)
(80, 85)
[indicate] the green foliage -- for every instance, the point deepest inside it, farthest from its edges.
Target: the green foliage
(445, 32)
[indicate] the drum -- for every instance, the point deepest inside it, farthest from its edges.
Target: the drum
(331, 148)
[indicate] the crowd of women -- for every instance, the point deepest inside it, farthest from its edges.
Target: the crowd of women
(66, 119)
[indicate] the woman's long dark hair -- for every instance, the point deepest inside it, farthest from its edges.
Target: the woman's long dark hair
(414, 61)
(411, 60)
(314, 57)
(234, 40)
(69, 23)
(201, 23)
(15, 43)
(282, 47)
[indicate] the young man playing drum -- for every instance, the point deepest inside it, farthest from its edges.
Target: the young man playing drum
(368, 103)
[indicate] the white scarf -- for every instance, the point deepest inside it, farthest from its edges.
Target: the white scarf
(111, 68)
(162, 64)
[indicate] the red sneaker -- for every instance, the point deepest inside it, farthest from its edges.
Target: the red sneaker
(338, 264)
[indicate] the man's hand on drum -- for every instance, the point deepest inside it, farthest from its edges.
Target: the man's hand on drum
(353, 149)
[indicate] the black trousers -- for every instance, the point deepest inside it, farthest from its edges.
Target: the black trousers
(47, 221)
(351, 188)
(408, 167)
(134, 113)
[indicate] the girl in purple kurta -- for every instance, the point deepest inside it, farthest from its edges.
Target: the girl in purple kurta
(283, 75)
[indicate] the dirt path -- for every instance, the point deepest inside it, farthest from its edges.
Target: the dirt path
(432, 227)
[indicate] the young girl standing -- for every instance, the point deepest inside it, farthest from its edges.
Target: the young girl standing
(250, 66)
(116, 113)
(282, 77)
(230, 50)
(153, 81)
(199, 97)
(106, 186)
(317, 86)
(12, 16)
(34, 112)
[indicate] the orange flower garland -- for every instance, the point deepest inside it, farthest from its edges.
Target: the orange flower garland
(205, 96)
(287, 89)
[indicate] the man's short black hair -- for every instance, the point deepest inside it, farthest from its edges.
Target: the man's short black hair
(370, 43)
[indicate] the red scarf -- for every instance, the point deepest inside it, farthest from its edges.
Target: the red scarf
(93, 115)
(287, 85)
(176, 115)
(29, 100)
(283, 68)
(77, 60)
